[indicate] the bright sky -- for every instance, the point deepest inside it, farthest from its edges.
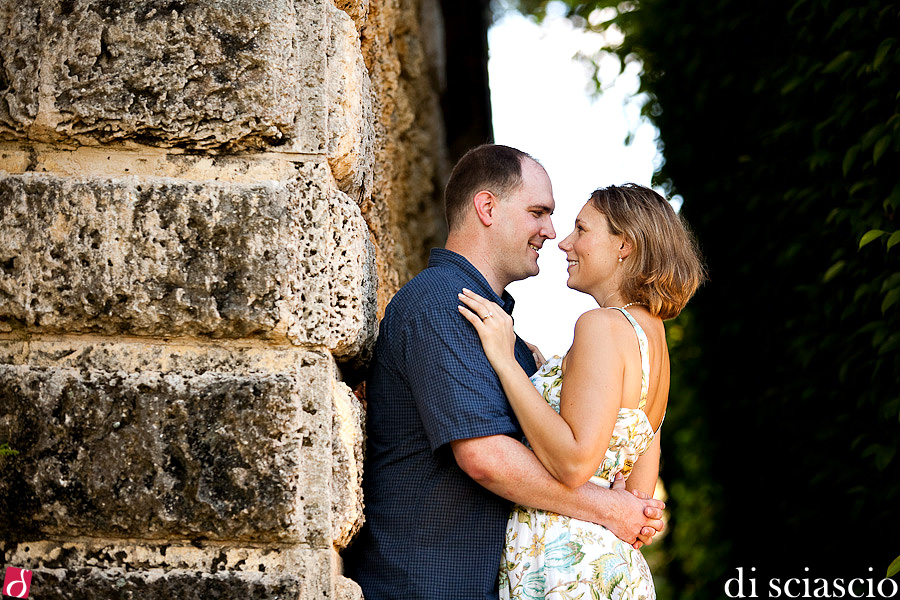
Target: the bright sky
(542, 105)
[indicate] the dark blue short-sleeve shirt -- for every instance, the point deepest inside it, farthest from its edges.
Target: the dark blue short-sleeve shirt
(431, 532)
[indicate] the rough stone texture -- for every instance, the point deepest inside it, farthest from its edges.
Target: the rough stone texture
(288, 260)
(401, 44)
(358, 10)
(109, 584)
(200, 73)
(348, 429)
(220, 74)
(106, 569)
(157, 441)
(358, 83)
(115, 162)
(195, 199)
(350, 131)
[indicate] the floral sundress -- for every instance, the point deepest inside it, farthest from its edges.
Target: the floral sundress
(547, 555)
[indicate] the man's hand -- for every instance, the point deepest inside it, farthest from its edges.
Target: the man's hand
(640, 516)
(510, 470)
(539, 359)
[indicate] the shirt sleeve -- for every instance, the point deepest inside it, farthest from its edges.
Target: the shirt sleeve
(455, 389)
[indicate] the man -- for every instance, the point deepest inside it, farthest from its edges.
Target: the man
(445, 455)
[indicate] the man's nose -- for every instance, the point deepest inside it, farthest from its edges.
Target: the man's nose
(549, 232)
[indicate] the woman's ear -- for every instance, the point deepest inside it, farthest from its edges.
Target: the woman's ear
(484, 203)
(626, 248)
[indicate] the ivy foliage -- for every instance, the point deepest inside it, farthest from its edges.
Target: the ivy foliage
(780, 127)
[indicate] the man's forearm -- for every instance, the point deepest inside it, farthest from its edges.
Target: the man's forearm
(510, 470)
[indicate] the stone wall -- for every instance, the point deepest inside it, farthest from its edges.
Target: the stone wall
(204, 204)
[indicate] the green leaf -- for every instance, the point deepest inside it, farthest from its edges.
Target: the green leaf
(882, 455)
(861, 291)
(882, 52)
(890, 299)
(833, 270)
(849, 157)
(792, 85)
(879, 337)
(890, 344)
(858, 186)
(5, 450)
(894, 567)
(894, 198)
(838, 62)
(891, 282)
(880, 148)
(893, 240)
(872, 135)
(843, 18)
(871, 236)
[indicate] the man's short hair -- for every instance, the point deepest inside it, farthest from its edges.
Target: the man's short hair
(491, 167)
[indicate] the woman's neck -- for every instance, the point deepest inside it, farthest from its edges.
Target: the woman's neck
(607, 298)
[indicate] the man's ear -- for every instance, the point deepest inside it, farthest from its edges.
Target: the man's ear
(485, 202)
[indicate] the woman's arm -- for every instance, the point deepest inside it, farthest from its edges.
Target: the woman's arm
(507, 468)
(571, 444)
(646, 470)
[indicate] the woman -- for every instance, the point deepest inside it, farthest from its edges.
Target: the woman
(634, 255)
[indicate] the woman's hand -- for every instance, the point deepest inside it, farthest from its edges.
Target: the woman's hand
(494, 327)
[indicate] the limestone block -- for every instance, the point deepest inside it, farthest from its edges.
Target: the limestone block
(19, 65)
(95, 568)
(358, 10)
(98, 584)
(152, 441)
(160, 257)
(350, 113)
(145, 555)
(205, 73)
(348, 453)
(232, 74)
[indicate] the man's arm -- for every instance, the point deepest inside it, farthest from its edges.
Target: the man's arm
(510, 470)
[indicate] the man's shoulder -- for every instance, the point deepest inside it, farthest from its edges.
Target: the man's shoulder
(436, 286)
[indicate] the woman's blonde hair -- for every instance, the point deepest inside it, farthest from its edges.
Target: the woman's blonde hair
(664, 268)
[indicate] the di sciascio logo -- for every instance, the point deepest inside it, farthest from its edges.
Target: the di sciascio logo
(17, 582)
(749, 585)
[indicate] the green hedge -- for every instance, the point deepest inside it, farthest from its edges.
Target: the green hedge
(780, 127)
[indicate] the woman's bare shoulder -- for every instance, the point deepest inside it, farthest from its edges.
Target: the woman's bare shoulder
(602, 324)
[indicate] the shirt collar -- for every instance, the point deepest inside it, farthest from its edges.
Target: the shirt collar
(441, 257)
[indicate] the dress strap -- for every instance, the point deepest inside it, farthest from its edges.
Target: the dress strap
(644, 347)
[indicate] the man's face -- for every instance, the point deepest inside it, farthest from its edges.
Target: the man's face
(522, 222)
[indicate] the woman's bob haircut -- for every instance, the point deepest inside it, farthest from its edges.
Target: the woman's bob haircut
(664, 268)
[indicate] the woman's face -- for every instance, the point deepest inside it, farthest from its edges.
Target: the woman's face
(593, 253)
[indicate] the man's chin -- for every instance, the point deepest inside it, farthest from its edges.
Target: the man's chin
(527, 275)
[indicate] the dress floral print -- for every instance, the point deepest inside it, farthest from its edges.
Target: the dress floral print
(547, 555)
